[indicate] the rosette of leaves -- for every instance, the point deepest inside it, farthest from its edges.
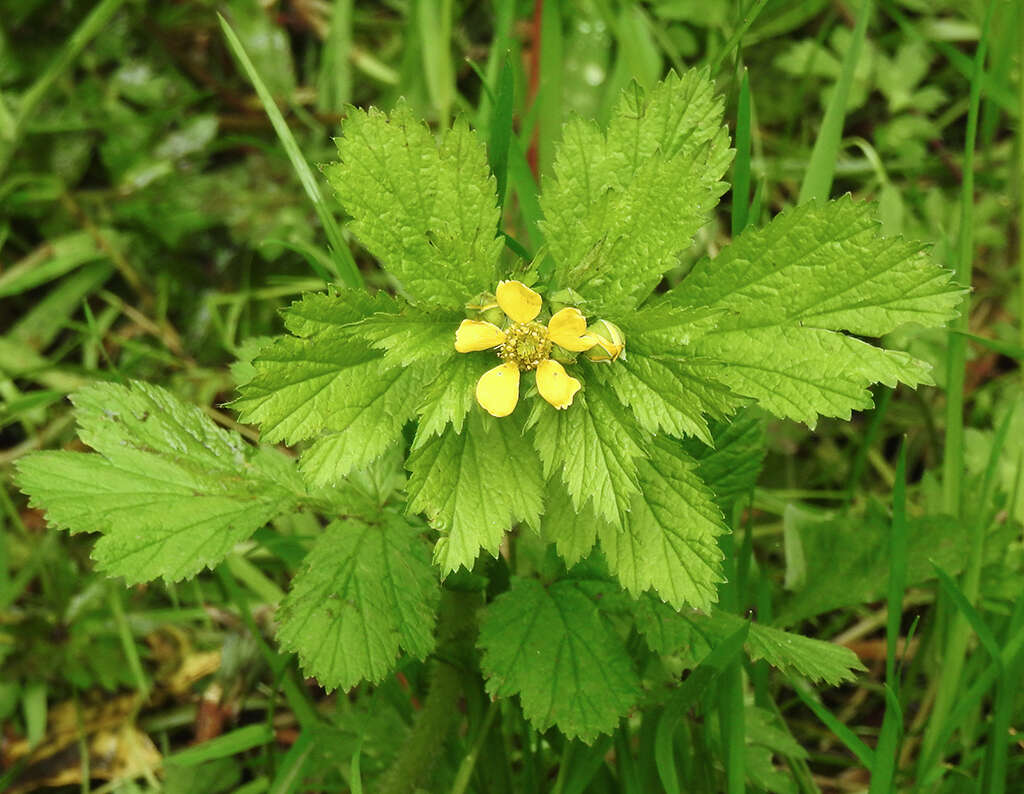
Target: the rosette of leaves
(773, 320)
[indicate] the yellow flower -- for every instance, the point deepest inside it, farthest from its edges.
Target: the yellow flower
(525, 345)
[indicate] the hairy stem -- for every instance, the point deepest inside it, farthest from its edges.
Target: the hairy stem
(456, 632)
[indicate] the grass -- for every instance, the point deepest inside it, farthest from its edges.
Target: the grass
(134, 245)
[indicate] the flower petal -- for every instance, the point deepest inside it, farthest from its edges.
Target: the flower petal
(497, 391)
(555, 384)
(475, 335)
(568, 328)
(518, 301)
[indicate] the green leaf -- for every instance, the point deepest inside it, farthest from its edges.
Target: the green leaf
(473, 486)
(448, 398)
(625, 203)
(366, 591)
(553, 648)
(668, 631)
(332, 388)
(594, 444)
(426, 210)
(731, 466)
(801, 373)
(787, 290)
(672, 394)
(669, 540)
(574, 534)
(847, 559)
(321, 311)
(170, 491)
(822, 266)
(412, 336)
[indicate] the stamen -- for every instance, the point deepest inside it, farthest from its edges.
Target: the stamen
(526, 345)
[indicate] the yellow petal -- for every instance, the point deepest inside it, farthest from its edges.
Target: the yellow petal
(518, 301)
(497, 391)
(475, 335)
(568, 329)
(555, 384)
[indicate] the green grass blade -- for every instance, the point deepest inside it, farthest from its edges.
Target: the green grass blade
(583, 765)
(344, 265)
(820, 170)
(500, 128)
(864, 753)
(434, 24)
(741, 166)
(737, 34)
(985, 635)
(334, 79)
(897, 566)
(994, 770)
(289, 775)
(956, 355)
(232, 743)
(887, 748)
(549, 86)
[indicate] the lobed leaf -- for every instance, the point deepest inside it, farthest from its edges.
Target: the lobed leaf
(426, 210)
(594, 445)
(473, 486)
(668, 631)
(170, 492)
(624, 203)
(669, 541)
(801, 373)
(553, 648)
(365, 592)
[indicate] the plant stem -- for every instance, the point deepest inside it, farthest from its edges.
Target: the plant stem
(456, 633)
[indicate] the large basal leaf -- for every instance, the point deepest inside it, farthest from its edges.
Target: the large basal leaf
(552, 647)
(366, 592)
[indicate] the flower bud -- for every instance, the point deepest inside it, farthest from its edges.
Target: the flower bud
(610, 341)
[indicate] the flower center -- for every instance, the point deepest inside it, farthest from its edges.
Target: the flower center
(526, 344)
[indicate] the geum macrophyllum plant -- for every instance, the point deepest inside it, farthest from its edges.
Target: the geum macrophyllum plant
(624, 465)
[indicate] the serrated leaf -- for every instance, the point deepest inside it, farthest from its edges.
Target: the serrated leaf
(801, 373)
(823, 265)
(426, 210)
(473, 486)
(412, 336)
(787, 290)
(448, 398)
(553, 648)
(370, 420)
(170, 491)
(672, 394)
(333, 388)
(731, 466)
(625, 203)
(366, 591)
(665, 327)
(668, 631)
(321, 311)
(594, 444)
(574, 534)
(669, 541)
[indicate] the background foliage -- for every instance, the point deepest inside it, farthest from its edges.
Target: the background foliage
(153, 223)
